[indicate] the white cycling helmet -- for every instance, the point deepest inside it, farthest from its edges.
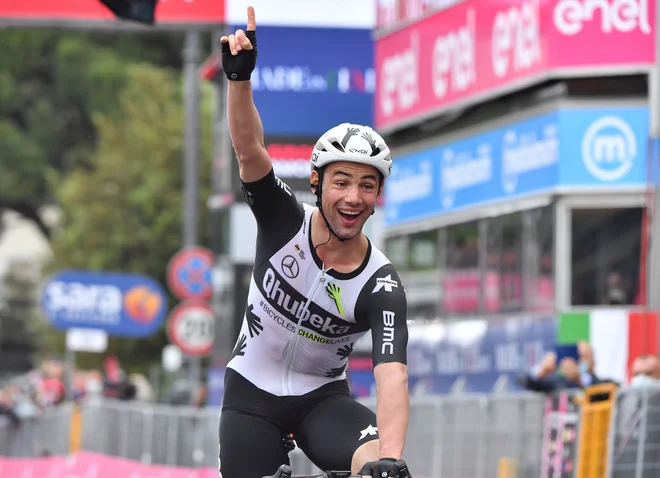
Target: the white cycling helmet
(354, 143)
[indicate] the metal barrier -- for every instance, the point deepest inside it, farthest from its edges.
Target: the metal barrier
(634, 450)
(156, 434)
(470, 436)
(45, 434)
(449, 437)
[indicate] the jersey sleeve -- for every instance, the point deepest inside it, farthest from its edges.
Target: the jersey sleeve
(276, 209)
(383, 303)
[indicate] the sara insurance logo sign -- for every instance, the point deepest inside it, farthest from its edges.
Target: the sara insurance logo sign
(125, 305)
(607, 145)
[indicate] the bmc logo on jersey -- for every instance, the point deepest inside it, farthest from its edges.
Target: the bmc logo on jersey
(283, 185)
(388, 333)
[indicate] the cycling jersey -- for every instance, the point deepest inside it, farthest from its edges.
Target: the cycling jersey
(302, 320)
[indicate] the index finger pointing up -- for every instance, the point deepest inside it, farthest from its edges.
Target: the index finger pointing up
(252, 23)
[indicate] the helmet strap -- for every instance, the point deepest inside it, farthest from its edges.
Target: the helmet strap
(320, 206)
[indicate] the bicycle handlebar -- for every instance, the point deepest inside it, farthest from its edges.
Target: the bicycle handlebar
(284, 471)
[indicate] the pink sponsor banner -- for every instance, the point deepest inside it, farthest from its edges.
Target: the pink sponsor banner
(481, 47)
(589, 33)
(460, 289)
(387, 13)
(502, 292)
(392, 13)
(92, 465)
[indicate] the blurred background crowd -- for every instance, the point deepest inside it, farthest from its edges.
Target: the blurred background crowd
(29, 394)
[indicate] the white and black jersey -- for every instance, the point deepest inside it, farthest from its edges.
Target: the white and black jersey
(301, 320)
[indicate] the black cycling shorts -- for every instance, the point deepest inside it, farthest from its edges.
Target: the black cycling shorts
(328, 425)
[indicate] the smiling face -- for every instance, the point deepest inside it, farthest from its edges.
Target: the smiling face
(349, 195)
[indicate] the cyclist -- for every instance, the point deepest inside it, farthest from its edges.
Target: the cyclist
(317, 286)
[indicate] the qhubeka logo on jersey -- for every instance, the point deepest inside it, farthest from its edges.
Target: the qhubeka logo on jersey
(291, 304)
(335, 294)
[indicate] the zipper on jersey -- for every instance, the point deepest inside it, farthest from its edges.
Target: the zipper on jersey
(320, 279)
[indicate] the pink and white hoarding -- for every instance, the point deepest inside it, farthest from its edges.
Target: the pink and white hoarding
(93, 465)
(481, 48)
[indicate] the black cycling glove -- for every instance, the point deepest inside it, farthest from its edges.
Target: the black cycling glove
(386, 467)
(239, 67)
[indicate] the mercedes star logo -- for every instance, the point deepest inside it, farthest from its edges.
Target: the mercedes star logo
(290, 267)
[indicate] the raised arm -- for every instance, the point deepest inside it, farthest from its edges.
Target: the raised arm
(239, 58)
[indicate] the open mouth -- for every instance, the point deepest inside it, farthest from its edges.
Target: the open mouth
(350, 217)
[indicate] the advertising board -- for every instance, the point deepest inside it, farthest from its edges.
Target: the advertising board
(474, 355)
(126, 305)
(574, 148)
(304, 87)
(174, 12)
(306, 13)
(291, 164)
(395, 13)
(481, 48)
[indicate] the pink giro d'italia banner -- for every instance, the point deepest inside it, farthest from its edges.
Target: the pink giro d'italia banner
(92, 465)
(481, 47)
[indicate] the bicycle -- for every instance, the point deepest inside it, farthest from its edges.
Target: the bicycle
(284, 471)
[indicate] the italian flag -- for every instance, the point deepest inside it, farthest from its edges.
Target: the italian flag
(617, 337)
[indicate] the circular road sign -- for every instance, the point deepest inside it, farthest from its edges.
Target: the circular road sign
(191, 327)
(189, 274)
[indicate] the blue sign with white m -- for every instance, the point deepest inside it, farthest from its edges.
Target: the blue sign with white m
(604, 146)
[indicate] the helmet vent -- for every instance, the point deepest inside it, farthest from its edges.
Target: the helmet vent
(339, 146)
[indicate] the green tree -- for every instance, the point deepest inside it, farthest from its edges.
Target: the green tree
(122, 211)
(52, 83)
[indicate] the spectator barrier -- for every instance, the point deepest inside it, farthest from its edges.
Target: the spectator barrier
(598, 433)
(634, 450)
(39, 435)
